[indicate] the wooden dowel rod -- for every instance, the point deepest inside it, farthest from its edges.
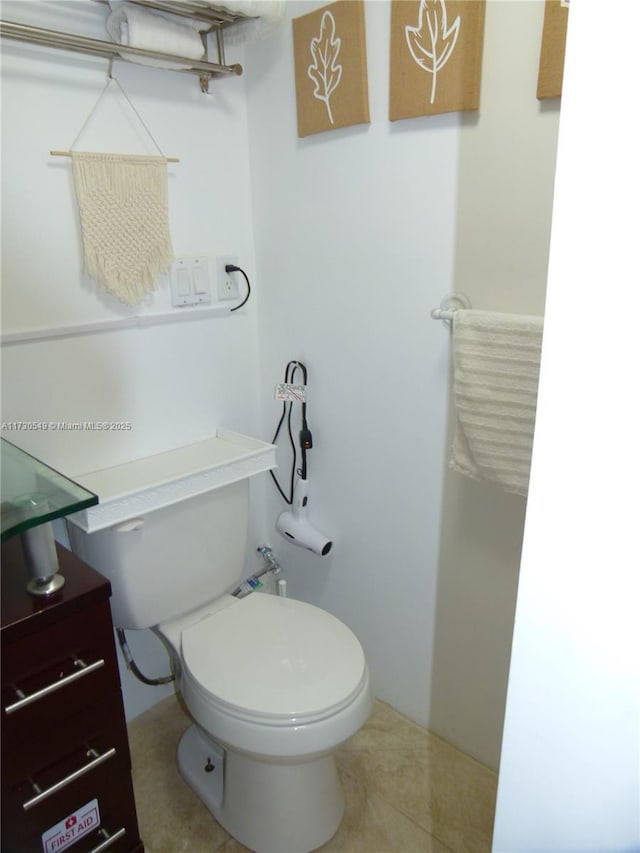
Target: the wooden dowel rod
(68, 154)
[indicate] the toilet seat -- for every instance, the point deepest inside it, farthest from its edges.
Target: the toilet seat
(274, 661)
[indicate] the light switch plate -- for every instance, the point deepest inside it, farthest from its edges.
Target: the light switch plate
(190, 281)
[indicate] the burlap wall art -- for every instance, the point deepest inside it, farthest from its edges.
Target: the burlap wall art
(331, 67)
(436, 56)
(554, 36)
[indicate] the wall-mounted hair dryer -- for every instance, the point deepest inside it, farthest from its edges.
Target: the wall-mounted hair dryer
(296, 528)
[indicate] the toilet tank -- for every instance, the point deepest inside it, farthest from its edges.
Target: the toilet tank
(166, 562)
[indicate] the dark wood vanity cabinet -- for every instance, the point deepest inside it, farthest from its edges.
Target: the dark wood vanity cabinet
(66, 768)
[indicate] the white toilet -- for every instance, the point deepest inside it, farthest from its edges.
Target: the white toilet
(274, 685)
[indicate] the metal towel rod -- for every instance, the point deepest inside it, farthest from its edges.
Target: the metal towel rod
(199, 10)
(107, 50)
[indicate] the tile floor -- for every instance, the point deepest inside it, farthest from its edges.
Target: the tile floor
(407, 791)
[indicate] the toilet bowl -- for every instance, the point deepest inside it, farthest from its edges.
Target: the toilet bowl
(274, 685)
(292, 686)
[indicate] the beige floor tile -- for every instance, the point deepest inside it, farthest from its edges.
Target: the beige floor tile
(406, 790)
(371, 825)
(170, 816)
(444, 791)
(231, 846)
(386, 729)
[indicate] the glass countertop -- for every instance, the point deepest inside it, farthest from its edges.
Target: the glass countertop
(33, 493)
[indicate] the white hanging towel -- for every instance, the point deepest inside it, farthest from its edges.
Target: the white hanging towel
(496, 364)
(122, 200)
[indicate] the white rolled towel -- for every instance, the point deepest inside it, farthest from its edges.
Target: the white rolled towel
(131, 26)
(263, 17)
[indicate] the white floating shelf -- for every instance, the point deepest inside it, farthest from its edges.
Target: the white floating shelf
(143, 485)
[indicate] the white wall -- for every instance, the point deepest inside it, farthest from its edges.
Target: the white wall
(570, 764)
(356, 236)
(174, 383)
(359, 233)
(354, 246)
(506, 165)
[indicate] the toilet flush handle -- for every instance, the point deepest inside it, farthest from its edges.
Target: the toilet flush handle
(128, 526)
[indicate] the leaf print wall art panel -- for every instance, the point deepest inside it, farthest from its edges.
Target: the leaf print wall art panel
(554, 36)
(325, 71)
(331, 67)
(436, 56)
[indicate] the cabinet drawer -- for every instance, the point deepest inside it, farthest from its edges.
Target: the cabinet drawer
(50, 674)
(110, 786)
(52, 752)
(65, 752)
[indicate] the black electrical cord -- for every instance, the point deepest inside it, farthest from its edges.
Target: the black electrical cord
(234, 268)
(304, 435)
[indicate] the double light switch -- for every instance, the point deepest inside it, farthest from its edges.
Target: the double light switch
(190, 281)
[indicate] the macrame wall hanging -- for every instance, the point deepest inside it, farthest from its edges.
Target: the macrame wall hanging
(124, 218)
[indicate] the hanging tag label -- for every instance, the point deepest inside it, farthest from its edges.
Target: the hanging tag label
(288, 393)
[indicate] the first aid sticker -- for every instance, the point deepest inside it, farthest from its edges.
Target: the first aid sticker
(84, 820)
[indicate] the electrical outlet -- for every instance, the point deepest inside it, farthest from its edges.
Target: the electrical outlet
(228, 283)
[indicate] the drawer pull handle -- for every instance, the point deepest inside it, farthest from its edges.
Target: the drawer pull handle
(86, 768)
(85, 669)
(108, 839)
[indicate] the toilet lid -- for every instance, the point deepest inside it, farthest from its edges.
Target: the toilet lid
(274, 656)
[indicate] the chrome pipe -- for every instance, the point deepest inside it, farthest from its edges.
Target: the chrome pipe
(95, 47)
(267, 555)
(197, 11)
